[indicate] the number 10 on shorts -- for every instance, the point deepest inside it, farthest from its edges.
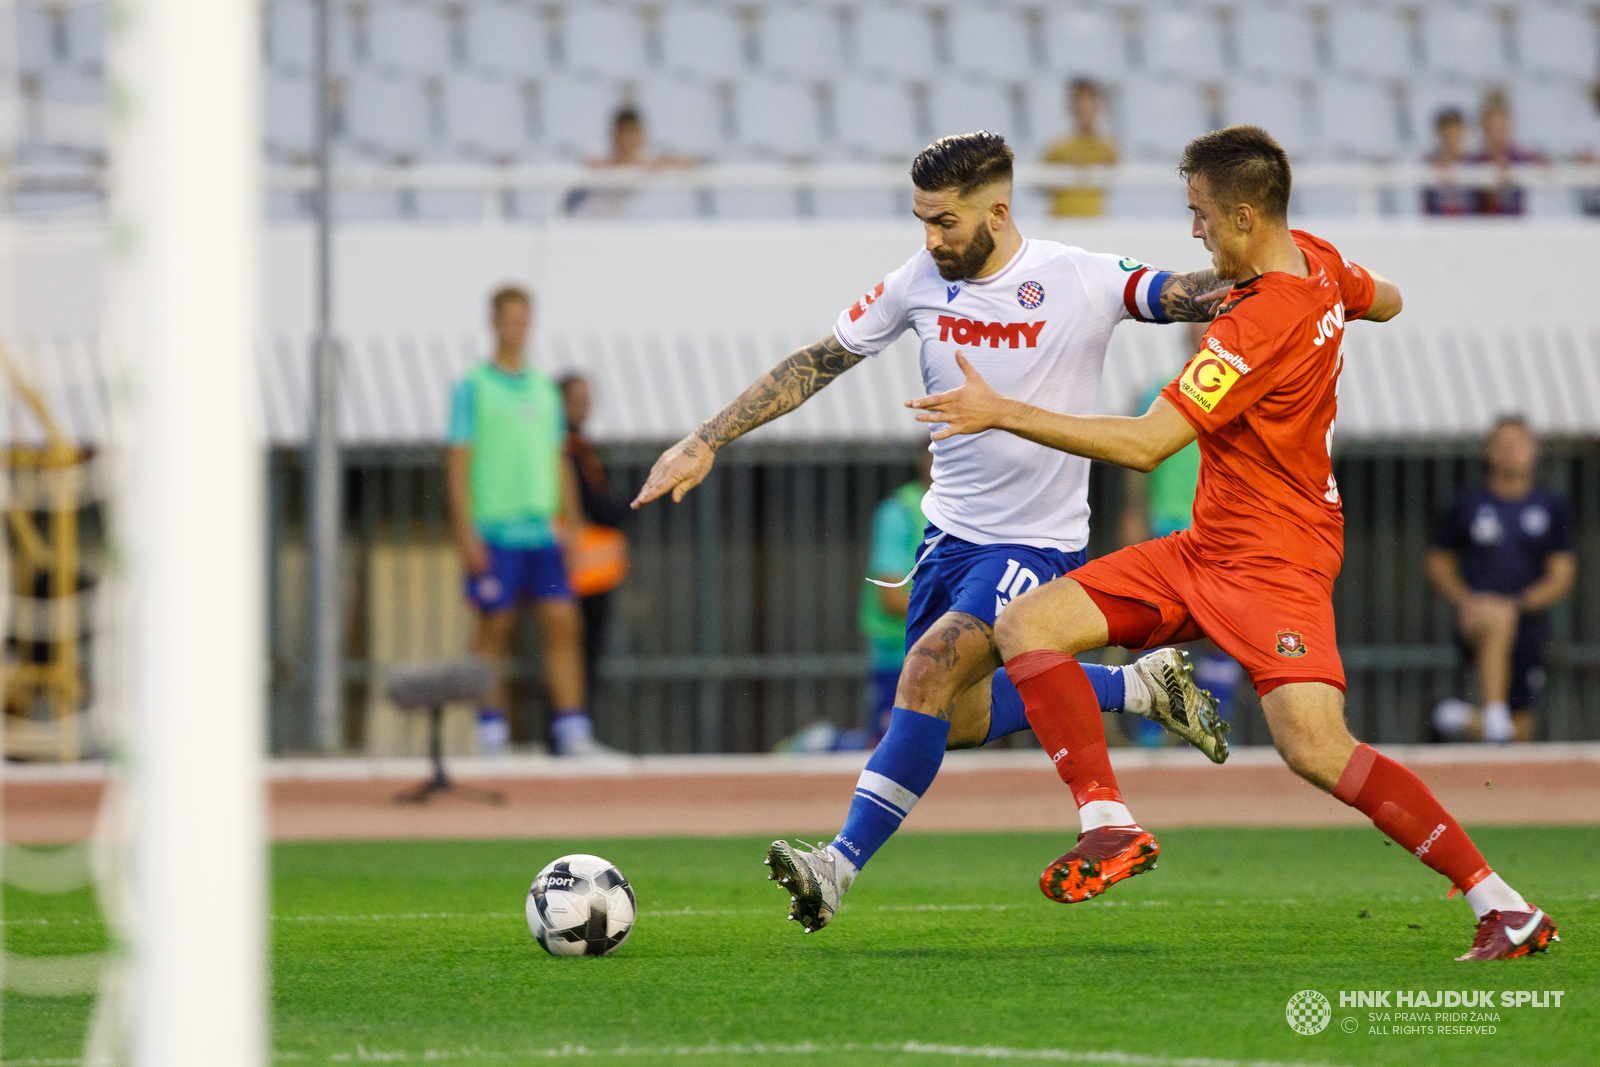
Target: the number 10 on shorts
(1016, 581)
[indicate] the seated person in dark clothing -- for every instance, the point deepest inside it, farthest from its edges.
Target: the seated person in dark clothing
(1502, 554)
(596, 570)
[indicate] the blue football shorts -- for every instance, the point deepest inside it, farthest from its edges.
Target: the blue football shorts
(978, 580)
(518, 574)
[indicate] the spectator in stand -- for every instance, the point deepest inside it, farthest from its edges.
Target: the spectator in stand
(1086, 146)
(1589, 150)
(513, 502)
(599, 558)
(629, 148)
(1446, 197)
(1502, 554)
(1506, 198)
(1162, 503)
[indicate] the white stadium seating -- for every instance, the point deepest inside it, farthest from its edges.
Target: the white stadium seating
(475, 82)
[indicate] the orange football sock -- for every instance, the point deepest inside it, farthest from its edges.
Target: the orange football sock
(1065, 714)
(1403, 807)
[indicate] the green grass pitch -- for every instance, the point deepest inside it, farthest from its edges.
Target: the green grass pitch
(418, 952)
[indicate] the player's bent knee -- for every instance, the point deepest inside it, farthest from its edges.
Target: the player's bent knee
(925, 686)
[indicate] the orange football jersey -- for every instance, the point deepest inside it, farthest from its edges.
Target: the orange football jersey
(1263, 394)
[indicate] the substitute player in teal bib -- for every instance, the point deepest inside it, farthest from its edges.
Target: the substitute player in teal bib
(513, 498)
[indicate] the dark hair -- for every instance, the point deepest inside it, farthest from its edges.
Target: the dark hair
(570, 378)
(1448, 114)
(1241, 165)
(627, 116)
(1510, 419)
(964, 162)
(507, 294)
(1083, 85)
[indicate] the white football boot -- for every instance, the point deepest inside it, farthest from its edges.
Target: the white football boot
(813, 877)
(1180, 705)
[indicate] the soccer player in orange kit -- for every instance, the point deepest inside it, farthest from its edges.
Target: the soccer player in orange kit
(1255, 572)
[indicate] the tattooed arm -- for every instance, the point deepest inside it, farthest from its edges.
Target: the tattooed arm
(782, 389)
(1193, 297)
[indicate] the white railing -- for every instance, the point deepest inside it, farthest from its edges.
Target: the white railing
(1367, 184)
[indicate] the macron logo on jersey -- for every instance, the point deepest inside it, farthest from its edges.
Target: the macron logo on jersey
(859, 308)
(968, 332)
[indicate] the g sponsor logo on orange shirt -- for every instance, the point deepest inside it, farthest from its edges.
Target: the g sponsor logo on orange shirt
(1207, 380)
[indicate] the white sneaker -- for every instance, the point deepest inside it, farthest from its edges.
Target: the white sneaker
(1180, 705)
(1498, 728)
(1451, 717)
(589, 748)
(812, 876)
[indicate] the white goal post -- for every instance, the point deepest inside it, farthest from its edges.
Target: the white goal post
(186, 209)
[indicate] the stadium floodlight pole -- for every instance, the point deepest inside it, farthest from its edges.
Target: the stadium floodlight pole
(322, 454)
(186, 166)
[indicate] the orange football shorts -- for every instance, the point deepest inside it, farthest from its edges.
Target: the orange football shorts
(1274, 618)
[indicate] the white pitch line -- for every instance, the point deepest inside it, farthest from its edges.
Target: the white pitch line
(362, 1054)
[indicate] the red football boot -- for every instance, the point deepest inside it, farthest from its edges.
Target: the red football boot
(1505, 935)
(1101, 858)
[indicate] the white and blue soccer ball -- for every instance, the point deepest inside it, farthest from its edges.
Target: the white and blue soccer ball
(580, 906)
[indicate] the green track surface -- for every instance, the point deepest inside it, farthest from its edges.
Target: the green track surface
(411, 951)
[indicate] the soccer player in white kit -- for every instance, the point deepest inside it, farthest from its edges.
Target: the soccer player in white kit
(1005, 514)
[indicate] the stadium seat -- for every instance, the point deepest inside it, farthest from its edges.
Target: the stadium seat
(1087, 42)
(892, 40)
(1045, 104)
(962, 106)
(1358, 120)
(1278, 107)
(1159, 118)
(408, 38)
(1547, 114)
(603, 40)
(1182, 41)
(387, 118)
(1464, 42)
(74, 129)
(990, 42)
(575, 114)
(1370, 41)
(288, 32)
(41, 38)
(288, 122)
(682, 117)
(778, 118)
(805, 41)
(705, 41)
(1562, 41)
(876, 119)
(489, 118)
(85, 28)
(1278, 41)
(506, 39)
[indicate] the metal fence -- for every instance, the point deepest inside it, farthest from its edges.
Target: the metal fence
(737, 625)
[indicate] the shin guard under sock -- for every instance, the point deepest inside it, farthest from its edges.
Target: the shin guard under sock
(901, 769)
(1008, 716)
(1065, 715)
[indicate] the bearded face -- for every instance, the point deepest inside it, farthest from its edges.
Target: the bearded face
(955, 265)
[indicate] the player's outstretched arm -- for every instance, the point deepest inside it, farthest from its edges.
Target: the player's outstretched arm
(1193, 297)
(1385, 300)
(1141, 443)
(782, 389)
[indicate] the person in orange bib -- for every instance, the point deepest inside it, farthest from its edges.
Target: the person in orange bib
(1255, 571)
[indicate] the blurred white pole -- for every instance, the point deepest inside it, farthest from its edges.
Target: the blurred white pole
(324, 472)
(188, 207)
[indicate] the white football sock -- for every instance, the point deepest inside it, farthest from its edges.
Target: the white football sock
(846, 871)
(1492, 894)
(1135, 694)
(1497, 725)
(1451, 717)
(1098, 813)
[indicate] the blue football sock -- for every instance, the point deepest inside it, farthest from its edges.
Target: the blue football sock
(1007, 716)
(1108, 685)
(899, 772)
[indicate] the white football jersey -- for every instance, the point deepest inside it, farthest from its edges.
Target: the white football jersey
(1037, 331)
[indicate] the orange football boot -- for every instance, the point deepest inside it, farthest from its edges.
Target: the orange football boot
(1101, 858)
